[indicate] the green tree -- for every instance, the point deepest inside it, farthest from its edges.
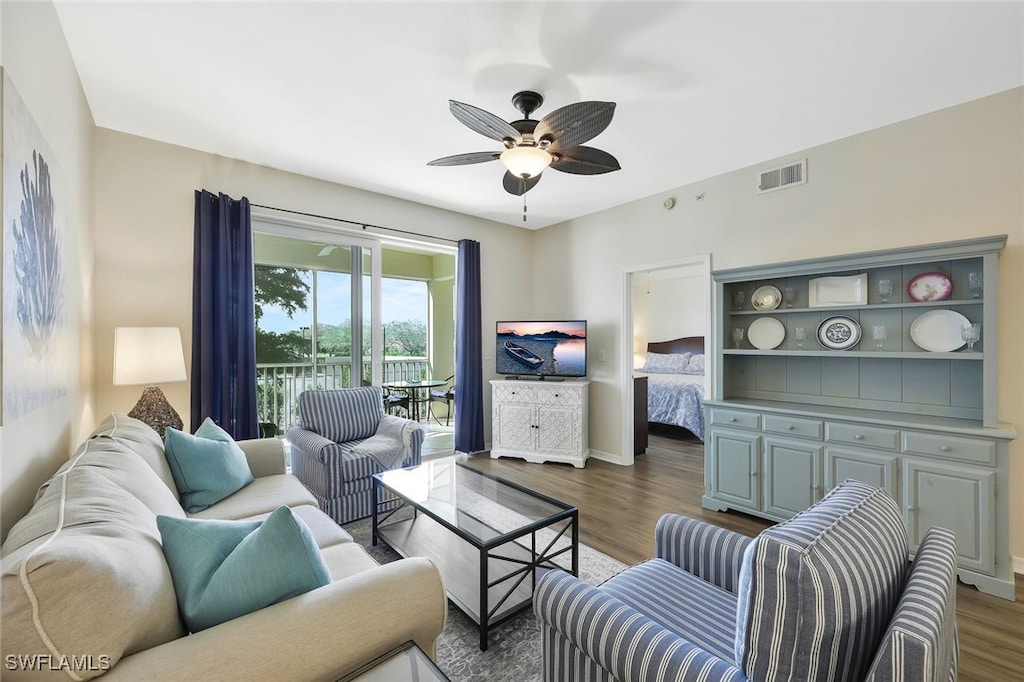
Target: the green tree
(405, 337)
(279, 286)
(285, 288)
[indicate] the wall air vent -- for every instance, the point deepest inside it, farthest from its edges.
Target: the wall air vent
(782, 177)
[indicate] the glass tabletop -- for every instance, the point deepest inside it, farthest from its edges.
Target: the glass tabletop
(478, 506)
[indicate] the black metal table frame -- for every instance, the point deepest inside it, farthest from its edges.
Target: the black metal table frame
(528, 569)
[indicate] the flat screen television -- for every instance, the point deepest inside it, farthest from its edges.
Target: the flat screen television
(542, 348)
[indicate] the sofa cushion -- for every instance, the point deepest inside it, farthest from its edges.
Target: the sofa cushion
(816, 593)
(141, 439)
(342, 415)
(95, 583)
(262, 496)
(207, 466)
(325, 531)
(347, 559)
(225, 569)
(699, 612)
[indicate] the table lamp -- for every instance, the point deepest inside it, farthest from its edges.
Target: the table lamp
(149, 356)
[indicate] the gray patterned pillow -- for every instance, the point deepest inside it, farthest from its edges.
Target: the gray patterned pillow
(696, 364)
(665, 363)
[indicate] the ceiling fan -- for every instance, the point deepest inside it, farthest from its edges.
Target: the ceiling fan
(531, 146)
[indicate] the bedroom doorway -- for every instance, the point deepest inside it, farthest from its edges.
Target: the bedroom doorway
(667, 310)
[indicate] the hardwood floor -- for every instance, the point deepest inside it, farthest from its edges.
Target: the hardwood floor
(619, 506)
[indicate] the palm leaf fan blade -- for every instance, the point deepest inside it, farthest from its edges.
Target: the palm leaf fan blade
(465, 159)
(518, 186)
(484, 122)
(575, 124)
(582, 160)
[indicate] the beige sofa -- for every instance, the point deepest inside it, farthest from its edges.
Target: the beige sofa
(86, 590)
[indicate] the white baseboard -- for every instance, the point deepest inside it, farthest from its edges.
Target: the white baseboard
(606, 456)
(1018, 564)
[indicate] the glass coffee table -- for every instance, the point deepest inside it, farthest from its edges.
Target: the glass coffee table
(487, 536)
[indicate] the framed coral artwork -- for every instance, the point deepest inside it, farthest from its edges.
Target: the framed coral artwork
(36, 334)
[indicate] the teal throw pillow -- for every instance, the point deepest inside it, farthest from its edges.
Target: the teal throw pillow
(207, 467)
(226, 569)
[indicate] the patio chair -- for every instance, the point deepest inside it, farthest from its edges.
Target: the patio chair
(396, 399)
(446, 395)
(344, 437)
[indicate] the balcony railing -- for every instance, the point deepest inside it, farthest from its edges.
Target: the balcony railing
(279, 384)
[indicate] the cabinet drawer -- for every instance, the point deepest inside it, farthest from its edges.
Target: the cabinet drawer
(514, 394)
(868, 436)
(950, 447)
(793, 426)
(563, 396)
(735, 419)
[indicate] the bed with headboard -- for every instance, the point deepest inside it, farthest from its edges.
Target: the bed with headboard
(675, 383)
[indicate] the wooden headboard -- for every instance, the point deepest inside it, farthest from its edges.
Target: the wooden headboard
(687, 344)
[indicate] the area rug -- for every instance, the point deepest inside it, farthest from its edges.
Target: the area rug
(514, 647)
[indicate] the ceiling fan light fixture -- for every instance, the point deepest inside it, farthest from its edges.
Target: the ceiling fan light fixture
(525, 161)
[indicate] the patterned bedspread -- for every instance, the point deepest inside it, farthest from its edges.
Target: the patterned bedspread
(676, 399)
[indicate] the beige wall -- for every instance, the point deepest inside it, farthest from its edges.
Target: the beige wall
(36, 58)
(952, 174)
(669, 304)
(144, 221)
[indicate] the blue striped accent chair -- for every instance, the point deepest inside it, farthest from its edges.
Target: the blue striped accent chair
(826, 595)
(331, 424)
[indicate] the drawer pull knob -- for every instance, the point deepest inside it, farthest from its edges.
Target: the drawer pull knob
(556, 395)
(790, 427)
(732, 419)
(816, 488)
(910, 509)
(945, 448)
(753, 473)
(859, 436)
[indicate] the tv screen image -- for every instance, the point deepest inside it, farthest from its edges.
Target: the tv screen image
(545, 348)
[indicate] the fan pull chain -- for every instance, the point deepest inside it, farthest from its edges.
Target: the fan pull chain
(522, 186)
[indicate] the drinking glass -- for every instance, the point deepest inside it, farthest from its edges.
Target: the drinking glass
(790, 296)
(885, 289)
(970, 333)
(741, 297)
(800, 334)
(879, 333)
(737, 337)
(975, 284)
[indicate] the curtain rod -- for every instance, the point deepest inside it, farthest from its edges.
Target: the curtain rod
(356, 222)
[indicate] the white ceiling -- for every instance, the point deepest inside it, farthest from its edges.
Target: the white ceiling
(357, 92)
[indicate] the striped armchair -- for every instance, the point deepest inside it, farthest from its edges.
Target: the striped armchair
(827, 595)
(332, 453)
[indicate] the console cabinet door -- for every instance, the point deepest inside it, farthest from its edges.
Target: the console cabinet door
(557, 429)
(515, 426)
(792, 476)
(874, 468)
(960, 498)
(732, 468)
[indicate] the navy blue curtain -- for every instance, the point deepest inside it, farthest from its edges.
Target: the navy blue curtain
(469, 376)
(223, 316)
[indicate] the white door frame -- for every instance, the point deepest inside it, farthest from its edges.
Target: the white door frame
(626, 343)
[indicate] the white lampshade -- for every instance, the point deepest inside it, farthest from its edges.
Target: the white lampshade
(525, 162)
(147, 355)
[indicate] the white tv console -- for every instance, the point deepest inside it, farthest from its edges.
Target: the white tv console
(540, 421)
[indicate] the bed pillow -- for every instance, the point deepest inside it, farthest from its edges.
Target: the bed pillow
(666, 363)
(696, 364)
(226, 569)
(207, 467)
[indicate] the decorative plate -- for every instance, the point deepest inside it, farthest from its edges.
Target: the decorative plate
(938, 331)
(930, 286)
(766, 298)
(838, 291)
(766, 333)
(839, 332)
